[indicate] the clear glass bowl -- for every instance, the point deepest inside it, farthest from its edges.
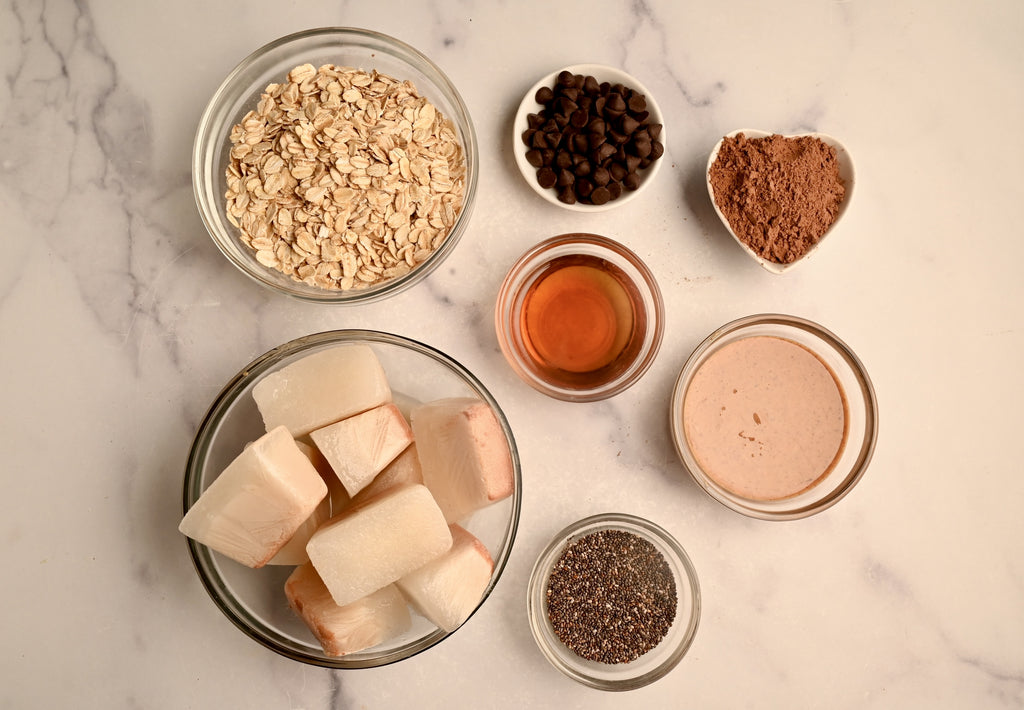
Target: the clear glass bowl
(861, 415)
(646, 303)
(253, 599)
(240, 92)
(655, 663)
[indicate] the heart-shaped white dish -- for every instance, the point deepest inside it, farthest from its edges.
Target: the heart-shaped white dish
(529, 105)
(846, 173)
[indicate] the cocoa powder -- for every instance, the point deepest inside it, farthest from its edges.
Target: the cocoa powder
(779, 195)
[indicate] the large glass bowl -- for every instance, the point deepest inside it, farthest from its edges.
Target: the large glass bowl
(240, 93)
(254, 599)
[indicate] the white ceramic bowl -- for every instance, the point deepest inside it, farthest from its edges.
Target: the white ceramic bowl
(529, 105)
(846, 172)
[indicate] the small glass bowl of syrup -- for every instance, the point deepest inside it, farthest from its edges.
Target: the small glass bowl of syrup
(579, 317)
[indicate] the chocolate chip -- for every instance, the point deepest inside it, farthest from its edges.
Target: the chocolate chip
(590, 138)
(600, 195)
(546, 177)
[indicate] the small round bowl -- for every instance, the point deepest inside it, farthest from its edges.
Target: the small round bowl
(655, 663)
(529, 105)
(254, 599)
(861, 416)
(846, 172)
(240, 93)
(645, 302)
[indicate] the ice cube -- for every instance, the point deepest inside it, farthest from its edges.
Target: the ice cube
(341, 630)
(258, 502)
(372, 545)
(448, 589)
(464, 453)
(322, 388)
(359, 447)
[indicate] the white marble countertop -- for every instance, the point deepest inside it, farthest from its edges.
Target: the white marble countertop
(121, 321)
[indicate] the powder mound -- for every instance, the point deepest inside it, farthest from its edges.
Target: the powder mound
(779, 195)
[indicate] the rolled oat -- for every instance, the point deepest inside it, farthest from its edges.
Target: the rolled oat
(343, 179)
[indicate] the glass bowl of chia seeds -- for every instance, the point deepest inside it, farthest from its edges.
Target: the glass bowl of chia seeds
(614, 602)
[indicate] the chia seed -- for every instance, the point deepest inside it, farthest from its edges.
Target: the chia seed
(611, 597)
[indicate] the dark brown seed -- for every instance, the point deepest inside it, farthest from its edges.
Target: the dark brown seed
(611, 596)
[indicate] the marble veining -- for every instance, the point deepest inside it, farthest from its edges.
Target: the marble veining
(121, 321)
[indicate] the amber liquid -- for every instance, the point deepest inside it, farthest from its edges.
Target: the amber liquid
(581, 322)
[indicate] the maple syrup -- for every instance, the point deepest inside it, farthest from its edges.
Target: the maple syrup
(582, 321)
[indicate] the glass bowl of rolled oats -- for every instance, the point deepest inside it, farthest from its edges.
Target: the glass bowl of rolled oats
(336, 165)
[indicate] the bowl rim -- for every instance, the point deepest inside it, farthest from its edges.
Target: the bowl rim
(847, 171)
(528, 106)
(758, 509)
(508, 302)
(562, 657)
(209, 203)
(202, 557)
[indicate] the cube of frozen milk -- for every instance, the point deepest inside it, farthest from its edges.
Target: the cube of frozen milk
(403, 470)
(371, 545)
(258, 502)
(464, 453)
(322, 388)
(448, 589)
(366, 622)
(359, 447)
(294, 551)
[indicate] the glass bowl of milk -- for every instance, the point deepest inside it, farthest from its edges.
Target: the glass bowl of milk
(775, 417)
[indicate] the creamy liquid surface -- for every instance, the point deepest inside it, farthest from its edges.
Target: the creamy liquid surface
(765, 418)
